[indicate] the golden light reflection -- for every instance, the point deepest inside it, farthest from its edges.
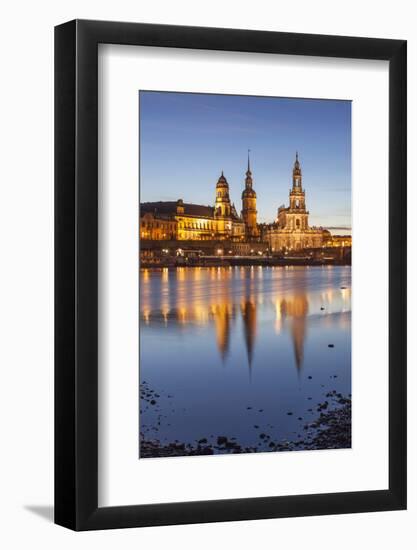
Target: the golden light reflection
(248, 309)
(145, 275)
(220, 297)
(296, 308)
(278, 316)
(146, 314)
(222, 315)
(181, 273)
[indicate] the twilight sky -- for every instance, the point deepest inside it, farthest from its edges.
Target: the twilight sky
(186, 140)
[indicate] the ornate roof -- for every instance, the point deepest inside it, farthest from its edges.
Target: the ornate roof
(222, 181)
(170, 208)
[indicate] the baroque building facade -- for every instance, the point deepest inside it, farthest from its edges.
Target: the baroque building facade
(291, 230)
(177, 220)
(180, 221)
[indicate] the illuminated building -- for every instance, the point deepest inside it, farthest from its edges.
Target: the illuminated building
(181, 221)
(249, 212)
(338, 241)
(291, 230)
(157, 227)
(177, 220)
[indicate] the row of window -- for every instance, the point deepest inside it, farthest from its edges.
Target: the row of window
(197, 225)
(305, 243)
(207, 226)
(157, 225)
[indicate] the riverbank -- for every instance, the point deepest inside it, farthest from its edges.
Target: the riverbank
(330, 429)
(246, 261)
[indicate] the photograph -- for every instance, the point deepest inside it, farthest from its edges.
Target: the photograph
(244, 274)
(194, 354)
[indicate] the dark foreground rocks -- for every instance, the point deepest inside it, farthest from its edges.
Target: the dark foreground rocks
(331, 429)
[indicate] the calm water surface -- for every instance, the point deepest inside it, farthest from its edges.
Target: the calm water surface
(231, 351)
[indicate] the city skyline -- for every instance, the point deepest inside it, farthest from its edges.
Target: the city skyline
(186, 140)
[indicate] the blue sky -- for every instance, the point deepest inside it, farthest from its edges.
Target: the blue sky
(186, 140)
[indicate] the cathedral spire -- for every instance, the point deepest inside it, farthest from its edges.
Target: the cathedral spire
(296, 173)
(297, 164)
(249, 204)
(248, 179)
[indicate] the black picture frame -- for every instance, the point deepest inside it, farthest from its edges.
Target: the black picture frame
(76, 273)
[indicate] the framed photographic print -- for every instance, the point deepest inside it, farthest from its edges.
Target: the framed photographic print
(230, 275)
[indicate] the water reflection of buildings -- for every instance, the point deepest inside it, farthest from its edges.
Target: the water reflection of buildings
(296, 308)
(248, 309)
(196, 299)
(223, 315)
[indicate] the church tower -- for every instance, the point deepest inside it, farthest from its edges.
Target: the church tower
(297, 215)
(249, 212)
(223, 207)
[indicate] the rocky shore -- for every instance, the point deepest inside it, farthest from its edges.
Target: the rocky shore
(330, 429)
